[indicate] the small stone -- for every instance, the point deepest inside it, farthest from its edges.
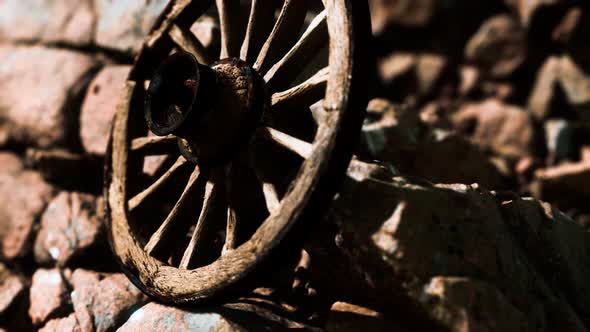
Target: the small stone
(100, 106)
(70, 226)
(64, 21)
(38, 89)
(48, 295)
(122, 25)
(506, 130)
(498, 47)
(23, 197)
(67, 324)
(12, 288)
(103, 305)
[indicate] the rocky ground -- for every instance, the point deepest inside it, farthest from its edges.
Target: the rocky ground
(480, 114)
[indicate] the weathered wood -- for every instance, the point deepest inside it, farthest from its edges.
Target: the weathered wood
(187, 197)
(286, 70)
(283, 35)
(231, 228)
(138, 199)
(154, 145)
(326, 161)
(188, 42)
(304, 94)
(293, 144)
(196, 239)
(229, 24)
(260, 24)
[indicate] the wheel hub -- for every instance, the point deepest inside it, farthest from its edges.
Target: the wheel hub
(213, 111)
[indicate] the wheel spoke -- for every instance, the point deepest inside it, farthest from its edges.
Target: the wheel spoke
(231, 228)
(283, 35)
(303, 95)
(291, 143)
(154, 145)
(196, 243)
(188, 42)
(259, 26)
(178, 212)
(147, 193)
(229, 22)
(311, 42)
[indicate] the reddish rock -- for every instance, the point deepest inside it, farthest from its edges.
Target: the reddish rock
(67, 324)
(49, 295)
(23, 197)
(122, 25)
(12, 288)
(71, 225)
(100, 106)
(38, 87)
(101, 306)
(504, 129)
(230, 317)
(498, 47)
(64, 21)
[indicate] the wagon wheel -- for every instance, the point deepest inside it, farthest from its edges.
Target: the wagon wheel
(238, 177)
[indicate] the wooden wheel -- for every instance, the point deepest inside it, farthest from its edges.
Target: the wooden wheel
(243, 167)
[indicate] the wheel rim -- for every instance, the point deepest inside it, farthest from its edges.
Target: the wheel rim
(324, 160)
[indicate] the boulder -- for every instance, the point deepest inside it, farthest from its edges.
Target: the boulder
(39, 92)
(66, 21)
(99, 107)
(122, 25)
(49, 295)
(23, 197)
(70, 226)
(67, 324)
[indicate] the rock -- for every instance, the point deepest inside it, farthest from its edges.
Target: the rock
(12, 288)
(53, 79)
(498, 47)
(405, 73)
(23, 197)
(71, 225)
(70, 171)
(66, 21)
(104, 305)
(470, 77)
(206, 29)
(122, 25)
(417, 13)
(525, 253)
(504, 129)
(560, 137)
(575, 82)
(546, 98)
(526, 9)
(350, 317)
(230, 317)
(67, 324)
(572, 178)
(476, 305)
(100, 106)
(397, 135)
(49, 295)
